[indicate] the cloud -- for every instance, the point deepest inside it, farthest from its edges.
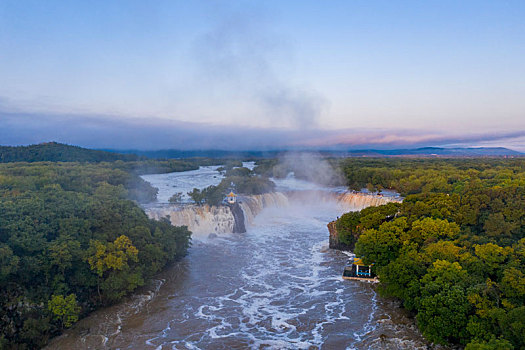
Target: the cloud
(153, 134)
(399, 138)
(139, 133)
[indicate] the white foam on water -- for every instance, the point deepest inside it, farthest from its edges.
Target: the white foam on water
(277, 286)
(370, 325)
(284, 282)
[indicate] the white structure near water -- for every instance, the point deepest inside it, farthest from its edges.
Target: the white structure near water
(231, 198)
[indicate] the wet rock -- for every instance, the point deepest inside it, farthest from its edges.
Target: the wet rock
(239, 225)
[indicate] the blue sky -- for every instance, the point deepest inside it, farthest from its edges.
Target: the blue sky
(380, 73)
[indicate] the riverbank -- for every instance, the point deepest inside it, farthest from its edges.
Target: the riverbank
(277, 286)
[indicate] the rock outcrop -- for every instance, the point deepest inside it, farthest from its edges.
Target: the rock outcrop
(334, 242)
(238, 215)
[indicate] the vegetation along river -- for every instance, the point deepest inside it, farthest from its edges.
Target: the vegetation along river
(277, 286)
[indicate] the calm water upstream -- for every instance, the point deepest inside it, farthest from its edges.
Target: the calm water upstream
(277, 286)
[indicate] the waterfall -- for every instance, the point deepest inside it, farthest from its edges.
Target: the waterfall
(253, 205)
(203, 220)
(358, 200)
(347, 201)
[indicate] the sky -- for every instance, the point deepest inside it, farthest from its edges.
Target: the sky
(269, 74)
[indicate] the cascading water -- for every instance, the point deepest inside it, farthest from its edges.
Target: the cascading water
(277, 286)
(253, 205)
(203, 220)
(358, 201)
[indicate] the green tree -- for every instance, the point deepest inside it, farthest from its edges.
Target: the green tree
(197, 196)
(513, 326)
(401, 277)
(513, 285)
(444, 307)
(382, 245)
(492, 344)
(64, 309)
(8, 262)
(430, 229)
(348, 227)
(107, 257)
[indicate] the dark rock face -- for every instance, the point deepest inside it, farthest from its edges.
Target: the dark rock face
(334, 242)
(238, 215)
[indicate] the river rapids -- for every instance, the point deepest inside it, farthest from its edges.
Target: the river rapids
(277, 286)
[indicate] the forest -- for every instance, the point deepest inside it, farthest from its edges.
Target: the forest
(58, 152)
(453, 251)
(73, 238)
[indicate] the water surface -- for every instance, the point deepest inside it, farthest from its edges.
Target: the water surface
(277, 286)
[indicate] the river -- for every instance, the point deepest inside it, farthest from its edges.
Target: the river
(277, 286)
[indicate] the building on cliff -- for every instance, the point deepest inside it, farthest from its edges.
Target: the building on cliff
(231, 198)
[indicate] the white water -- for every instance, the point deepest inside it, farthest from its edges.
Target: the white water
(204, 220)
(277, 286)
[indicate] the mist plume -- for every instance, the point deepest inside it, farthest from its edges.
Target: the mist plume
(239, 52)
(312, 167)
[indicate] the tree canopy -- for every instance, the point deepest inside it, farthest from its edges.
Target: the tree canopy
(454, 250)
(72, 238)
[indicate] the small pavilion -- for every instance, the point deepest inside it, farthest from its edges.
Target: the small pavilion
(231, 198)
(362, 270)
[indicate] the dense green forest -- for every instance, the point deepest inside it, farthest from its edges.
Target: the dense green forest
(453, 251)
(72, 238)
(58, 152)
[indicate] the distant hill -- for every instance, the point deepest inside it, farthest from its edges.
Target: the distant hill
(437, 152)
(58, 152)
(339, 152)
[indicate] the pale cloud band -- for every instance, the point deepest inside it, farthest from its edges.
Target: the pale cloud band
(154, 134)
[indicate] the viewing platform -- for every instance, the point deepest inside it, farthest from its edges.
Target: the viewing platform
(359, 271)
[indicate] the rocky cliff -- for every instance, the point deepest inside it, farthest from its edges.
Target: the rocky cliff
(334, 242)
(238, 215)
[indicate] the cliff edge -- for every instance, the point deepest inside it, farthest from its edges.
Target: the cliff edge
(334, 242)
(239, 225)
